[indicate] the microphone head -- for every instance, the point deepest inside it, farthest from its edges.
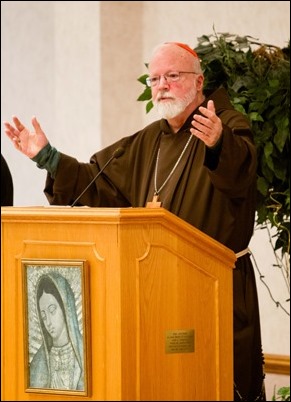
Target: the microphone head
(118, 152)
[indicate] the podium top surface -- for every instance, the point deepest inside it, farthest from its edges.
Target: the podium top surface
(115, 216)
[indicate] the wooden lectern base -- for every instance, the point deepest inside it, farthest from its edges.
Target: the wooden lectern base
(159, 295)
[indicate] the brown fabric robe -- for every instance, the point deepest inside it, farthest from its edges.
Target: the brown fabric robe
(213, 190)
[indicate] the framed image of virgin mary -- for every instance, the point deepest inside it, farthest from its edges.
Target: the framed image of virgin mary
(56, 326)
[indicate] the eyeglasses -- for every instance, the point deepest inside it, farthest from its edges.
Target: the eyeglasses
(172, 76)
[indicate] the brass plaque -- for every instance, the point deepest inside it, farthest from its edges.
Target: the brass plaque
(180, 341)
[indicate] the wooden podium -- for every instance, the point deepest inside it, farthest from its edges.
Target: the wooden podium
(159, 302)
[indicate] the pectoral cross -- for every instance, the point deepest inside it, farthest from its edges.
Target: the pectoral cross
(155, 203)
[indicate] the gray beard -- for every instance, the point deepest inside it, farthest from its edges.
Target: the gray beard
(169, 110)
(173, 108)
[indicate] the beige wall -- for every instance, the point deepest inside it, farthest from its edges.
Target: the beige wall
(75, 66)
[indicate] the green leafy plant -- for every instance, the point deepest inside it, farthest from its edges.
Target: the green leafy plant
(257, 79)
(283, 394)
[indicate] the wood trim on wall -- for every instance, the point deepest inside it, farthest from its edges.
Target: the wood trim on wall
(277, 364)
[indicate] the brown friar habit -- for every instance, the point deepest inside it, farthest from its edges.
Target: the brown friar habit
(212, 189)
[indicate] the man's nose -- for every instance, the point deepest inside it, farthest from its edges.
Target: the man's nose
(163, 81)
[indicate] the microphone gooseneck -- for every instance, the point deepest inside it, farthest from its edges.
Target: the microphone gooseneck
(116, 154)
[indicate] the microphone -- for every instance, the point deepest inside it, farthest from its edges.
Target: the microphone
(116, 154)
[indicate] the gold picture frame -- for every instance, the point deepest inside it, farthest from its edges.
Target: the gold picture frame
(56, 326)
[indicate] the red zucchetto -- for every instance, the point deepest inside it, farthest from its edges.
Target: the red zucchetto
(184, 46)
